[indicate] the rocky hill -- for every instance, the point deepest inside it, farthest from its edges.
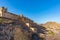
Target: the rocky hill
(21, 29)
(53, 26)
(53, 30)
(25, 29)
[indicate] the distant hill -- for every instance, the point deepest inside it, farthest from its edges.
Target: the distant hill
(53, 26)
(53, 30)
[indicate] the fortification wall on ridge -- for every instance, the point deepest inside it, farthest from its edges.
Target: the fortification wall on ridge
(6, 14)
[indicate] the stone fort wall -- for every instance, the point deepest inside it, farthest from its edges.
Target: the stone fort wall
(6, 14)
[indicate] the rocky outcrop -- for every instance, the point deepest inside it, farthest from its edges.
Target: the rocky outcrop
(53, 26)
(20, 29)
(53, 31)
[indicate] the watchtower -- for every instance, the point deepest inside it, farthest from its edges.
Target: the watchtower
(2, 10)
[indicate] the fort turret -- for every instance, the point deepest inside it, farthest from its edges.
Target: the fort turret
(2, 11)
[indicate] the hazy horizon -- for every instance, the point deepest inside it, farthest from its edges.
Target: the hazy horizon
(40, 11)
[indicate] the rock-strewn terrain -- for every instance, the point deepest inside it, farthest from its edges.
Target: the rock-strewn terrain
(25, 29)
(20, 29)
(53, 30)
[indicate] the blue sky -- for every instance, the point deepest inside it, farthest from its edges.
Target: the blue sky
(40, 11)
